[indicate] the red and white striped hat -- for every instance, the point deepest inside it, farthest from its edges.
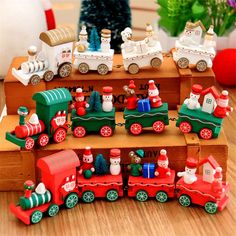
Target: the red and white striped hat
(50, 19)
(163, 156)
(224, 95)
(87, 152)
(152, 85)
(79, 92)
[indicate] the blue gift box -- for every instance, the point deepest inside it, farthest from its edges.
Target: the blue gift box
(148, 170)
(144, 105)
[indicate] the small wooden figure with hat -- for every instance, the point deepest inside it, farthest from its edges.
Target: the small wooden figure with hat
(135, 166)
(105, 40)
(190, 171)
(82, 45)
(153, 95)
(192, 102)
(209, 38)
(115, 161)
(162, 169)
(151, 38)
(107, 104)
(217, 182)
(131, 99)
(80, 105)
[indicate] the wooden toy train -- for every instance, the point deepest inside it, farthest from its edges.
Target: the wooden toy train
(57, 45)
(64, 181)
(51, 117)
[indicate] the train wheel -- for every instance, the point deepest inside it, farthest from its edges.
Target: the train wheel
(158, 126)
(133, 68)
(79, 132)
(34, 79)
(71, 200)
(136, 128)
(156, 62)
(59, 135)
(88, 196)
(48, 75)
(65, 70)
(206, 133)
(112, 195)
(161, 196)
(43, 140)
(201, 65)
(83, 68)
(29, 143)
(53, 210)
(185, 127)
(211, 207)
(36, 217)
(183, 63)
(106, 131)
(142, 196)
(102, 69)
(184, 200)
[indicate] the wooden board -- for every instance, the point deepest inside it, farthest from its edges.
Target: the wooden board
(178, 146)
(174, 84)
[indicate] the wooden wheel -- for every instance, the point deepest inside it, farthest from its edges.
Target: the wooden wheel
(59, 135)
(106, 131)
(88, 196)
(79, 132)
(112, 195)
(185, 127)
(53, 210)
(34, 79)
(156, 62)
(36, 217)
(65, 70)
(206, 133)
(211, 207)
(133, 68)
(102, 69)
(184, 200)
(201, 65)
(161, 196)
(83, 68)
(183, 63)
(158, 126)
(29, 143)
(142, 196)
(136, 128)
(48, 75)
(71, 200)
(43, 140)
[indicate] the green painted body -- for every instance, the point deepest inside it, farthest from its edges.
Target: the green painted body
(146, 119)
(93, 121)
(199, 120)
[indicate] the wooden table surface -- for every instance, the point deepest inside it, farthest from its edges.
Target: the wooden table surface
(129, 217)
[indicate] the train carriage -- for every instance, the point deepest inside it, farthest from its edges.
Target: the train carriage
(157, 118)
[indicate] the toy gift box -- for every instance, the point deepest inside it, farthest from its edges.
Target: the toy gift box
(144, 105)
(148, 170)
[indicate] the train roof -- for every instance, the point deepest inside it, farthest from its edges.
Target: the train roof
(51, 97)
(58, 162)
(58, 36)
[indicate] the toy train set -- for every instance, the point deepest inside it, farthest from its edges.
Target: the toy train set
(64, 181)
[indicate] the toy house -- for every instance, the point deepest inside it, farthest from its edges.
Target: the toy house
(209, 102)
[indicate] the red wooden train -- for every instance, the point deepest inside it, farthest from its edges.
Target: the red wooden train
(62, 183)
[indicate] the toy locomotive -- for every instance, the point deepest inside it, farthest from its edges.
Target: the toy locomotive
(64, 180)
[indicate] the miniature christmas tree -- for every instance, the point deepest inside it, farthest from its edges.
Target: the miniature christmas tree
(112, 14)
(94, 40)
(95, 104)
(101, 167)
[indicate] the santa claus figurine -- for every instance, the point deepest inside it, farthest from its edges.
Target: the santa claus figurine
(222, 109)
(162, 169)
(80, 105)
(217, 182)
(131, 99)
(190, 171)
(192, 102)
(153, 95)
(87, 168)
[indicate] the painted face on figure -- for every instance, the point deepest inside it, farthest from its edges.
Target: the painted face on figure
(188, 33)
(83, 37)
(194, 97)
(115, 161)
(152, 93)
(190, 171)
(105, 40)
(107, 98)
(88, 159)
(79, 99)
(163, 164)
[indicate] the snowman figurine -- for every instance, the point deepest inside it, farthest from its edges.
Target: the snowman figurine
(192, 102)
(190, 171)
(105, 40)
(128, 46)
(107, 104)
(115, 161)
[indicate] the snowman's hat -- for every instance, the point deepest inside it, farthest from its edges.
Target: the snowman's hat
(106, 33)
(210, 30)
(191, 163)
(87, 152)
(196, 89)
(83, 31)
(107, 90)
(115, 153)
(79, 92)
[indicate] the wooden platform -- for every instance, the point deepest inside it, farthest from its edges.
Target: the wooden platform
(174, 84)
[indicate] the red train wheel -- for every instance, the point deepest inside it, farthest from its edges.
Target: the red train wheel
(158, 126)
(206, 133)
(79, 132)
(106, 131)
(59, 135)
(43, 140)
(29, 143)
(136, 128)
(185, 127)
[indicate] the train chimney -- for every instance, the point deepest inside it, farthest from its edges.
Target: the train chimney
(32, 51)
(22, 112)
(29, 187)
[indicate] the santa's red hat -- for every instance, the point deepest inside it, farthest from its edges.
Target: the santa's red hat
(79, 92)
(163, 156)
(131, 84)
(224, 95)
(63, 113)
(87, 152)
(115, 153)
(191, 163)
(196, 89)
(152, 85)
(107, 90)
(50, 19)
(218, 174)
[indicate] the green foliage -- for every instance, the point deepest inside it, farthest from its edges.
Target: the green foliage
(95, 104)
(101, 167)
(94, 40)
